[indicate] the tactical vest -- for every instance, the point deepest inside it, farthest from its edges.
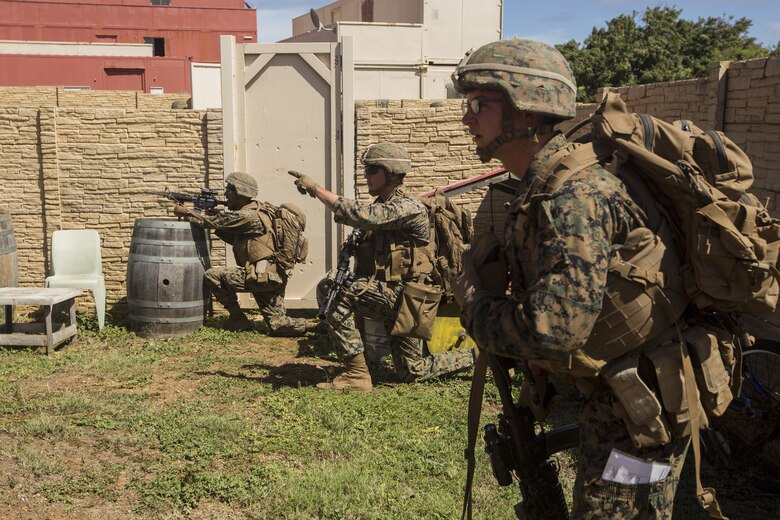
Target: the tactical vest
(390, 256)
(644, 291)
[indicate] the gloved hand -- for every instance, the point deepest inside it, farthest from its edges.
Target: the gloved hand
(304, 183)
(538, 392)
(466, 283)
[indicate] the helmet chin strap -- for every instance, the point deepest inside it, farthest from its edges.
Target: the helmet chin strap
(509, 134)
(485, 153)
(393, 178)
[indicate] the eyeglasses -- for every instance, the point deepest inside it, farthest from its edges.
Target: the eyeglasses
(476, 104)
(371, 169)
(229, 188)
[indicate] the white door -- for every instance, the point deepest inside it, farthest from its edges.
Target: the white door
(289, 106)
(206, 85)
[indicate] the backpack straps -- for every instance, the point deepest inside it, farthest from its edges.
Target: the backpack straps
(562, 166)
(705, 496)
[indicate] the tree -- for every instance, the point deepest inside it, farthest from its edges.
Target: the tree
(662, 48)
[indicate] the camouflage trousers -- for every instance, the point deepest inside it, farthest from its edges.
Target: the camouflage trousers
(268, 291)
(594, 498)
(377, 300)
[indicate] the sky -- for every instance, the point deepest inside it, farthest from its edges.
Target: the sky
(558, 21)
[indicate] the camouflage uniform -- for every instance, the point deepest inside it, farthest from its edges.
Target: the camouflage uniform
(558, 285)
(403, 217)
(558, 248)
(268, 290)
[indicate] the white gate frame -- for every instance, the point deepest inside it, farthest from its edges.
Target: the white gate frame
(341, 180)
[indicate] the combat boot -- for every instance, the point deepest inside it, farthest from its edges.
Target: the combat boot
(237, 321)
(356, 377)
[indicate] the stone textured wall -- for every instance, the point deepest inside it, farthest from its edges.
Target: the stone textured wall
(740, 98)
(73, 168)
(38, 97)
(442, 152)
(76, 159)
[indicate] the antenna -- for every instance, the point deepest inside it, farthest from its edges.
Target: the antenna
(316, 20)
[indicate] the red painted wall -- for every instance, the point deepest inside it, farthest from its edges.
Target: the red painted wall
(95, 72)
(190, 29)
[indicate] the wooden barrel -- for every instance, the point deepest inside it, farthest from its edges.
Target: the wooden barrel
(166, 295)
(9, 262)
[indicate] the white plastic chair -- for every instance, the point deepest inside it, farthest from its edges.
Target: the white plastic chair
(76, 263)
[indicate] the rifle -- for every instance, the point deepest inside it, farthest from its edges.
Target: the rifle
(344, 275)
(207, 200)
(519, 445)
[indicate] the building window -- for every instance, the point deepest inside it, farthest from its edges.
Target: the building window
(161, 2)
(158, 45)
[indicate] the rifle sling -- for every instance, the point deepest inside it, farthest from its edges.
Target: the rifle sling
(475, 410)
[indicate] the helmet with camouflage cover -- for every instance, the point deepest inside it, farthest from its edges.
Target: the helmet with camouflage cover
(535, 76)
(245, 184)
(390, 156)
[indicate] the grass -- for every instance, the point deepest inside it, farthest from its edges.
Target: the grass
(229, 425)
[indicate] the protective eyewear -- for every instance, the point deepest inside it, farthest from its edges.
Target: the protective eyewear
(371, 169)
(476, 104)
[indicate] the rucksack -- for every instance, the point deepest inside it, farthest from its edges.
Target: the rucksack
(729, 242)
(729, 246)
(287, 224)
(451, 231)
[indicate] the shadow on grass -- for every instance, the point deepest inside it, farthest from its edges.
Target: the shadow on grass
(316, 346)
(292, 375)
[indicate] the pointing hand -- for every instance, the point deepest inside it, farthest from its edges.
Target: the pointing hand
(304, 183)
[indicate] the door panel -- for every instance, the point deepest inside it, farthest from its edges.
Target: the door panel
(282, 107)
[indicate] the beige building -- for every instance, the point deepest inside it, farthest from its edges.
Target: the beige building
(403, 49)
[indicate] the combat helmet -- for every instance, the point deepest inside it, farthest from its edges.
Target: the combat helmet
(390, 156)
(245, 184)
(535, 76)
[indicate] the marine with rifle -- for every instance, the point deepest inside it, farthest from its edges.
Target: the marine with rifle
(559, 251)
(391, 254)
(245, 226)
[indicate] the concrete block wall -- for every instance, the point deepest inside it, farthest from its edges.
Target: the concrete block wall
(692, 100)
(77, 159)
(37, 97)
(75, 168)
(752, 120)
(740, 98)
(442, 151)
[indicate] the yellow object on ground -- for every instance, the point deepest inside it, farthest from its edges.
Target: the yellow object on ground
(448, 334)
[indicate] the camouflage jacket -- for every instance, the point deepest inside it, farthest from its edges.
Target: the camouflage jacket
(247, 230)
(399, 223)
(558, 248)
(230, 224)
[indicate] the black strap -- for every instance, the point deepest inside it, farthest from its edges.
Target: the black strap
(720, 149)
(475, 411)
(649, 127)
